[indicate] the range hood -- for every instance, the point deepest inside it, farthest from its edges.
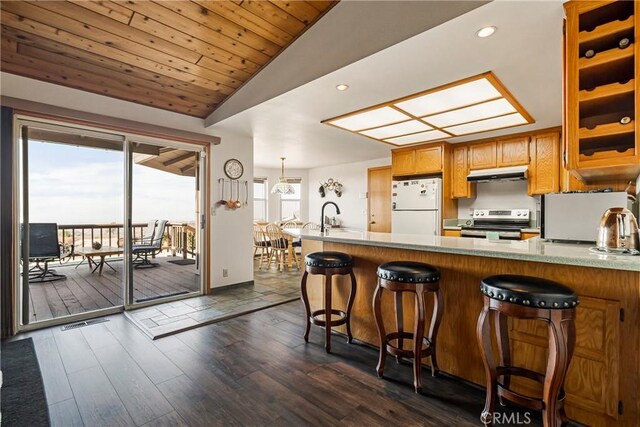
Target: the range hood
(514, 173)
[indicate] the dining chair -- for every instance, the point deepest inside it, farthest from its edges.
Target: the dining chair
(311, 226)
(278, 244)
(261, 243)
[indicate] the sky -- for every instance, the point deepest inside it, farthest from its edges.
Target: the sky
(80, 185)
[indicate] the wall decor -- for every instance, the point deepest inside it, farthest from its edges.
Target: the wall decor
(233, 168)
(331, 185)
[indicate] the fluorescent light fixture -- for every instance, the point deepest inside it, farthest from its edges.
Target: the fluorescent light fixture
(486, 32)
(450, 98)
(412, 126)
(342, 87)
(488, 124)
(476, 104)
(418, 137)
(371, 119)
(499, 107)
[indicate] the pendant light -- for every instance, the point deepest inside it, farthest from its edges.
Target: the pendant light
(283, 186)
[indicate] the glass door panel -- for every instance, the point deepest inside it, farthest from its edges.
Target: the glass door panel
(71, 222)
(165, 222)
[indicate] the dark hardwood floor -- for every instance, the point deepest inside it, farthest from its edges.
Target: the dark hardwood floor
(248, 371)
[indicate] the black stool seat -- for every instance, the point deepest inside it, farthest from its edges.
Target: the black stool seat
(328, 260)
(529, 291)
(408, 271)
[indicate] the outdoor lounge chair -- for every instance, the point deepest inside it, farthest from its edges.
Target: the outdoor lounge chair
(44, 248)
(152, 246)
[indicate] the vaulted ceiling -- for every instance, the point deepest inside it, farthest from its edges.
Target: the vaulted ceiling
(182, 56)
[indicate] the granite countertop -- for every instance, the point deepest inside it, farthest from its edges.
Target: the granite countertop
(534, 249)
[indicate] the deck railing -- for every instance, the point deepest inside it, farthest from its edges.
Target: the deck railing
(178, 237)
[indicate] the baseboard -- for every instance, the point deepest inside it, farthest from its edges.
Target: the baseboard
(233, 285)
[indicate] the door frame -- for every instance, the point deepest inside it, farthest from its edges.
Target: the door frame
(203, 147)
(369, 170)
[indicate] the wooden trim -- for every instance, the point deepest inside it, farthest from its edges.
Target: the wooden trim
(489, 76)
(51, 112)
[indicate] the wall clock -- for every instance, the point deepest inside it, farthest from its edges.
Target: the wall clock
(233, 168)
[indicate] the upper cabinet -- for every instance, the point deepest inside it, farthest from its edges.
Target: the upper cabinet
(544, 169)
(600, 91)
(420, 160)
(483, 155)
(460, 187)
(513, 152)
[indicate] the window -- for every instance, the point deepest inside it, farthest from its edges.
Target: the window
(260, 199)
(290, 203)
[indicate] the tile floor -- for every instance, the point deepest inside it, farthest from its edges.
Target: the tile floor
(270, 288)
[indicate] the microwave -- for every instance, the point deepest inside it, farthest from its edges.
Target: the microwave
(575, 217)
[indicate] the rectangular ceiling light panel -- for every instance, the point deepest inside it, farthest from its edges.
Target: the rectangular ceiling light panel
(448, 99)
(473, 105)
(412, 126)
(370, 119)
(509, 120)
(418, 137)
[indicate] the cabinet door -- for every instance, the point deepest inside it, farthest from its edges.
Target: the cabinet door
(451, 233)
(544, 169)
(482, 156)
(428, 160)
(403, 162)
(460, 187)
(513, 152)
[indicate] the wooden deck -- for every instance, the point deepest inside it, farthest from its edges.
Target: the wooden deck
(82, 291)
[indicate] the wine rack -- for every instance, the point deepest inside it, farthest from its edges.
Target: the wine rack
(601, 99)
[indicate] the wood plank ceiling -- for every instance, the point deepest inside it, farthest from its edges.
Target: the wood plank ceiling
(182, 56)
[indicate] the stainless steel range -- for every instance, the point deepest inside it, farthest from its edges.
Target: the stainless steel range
(508, 223)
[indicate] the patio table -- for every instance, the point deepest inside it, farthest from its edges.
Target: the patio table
(90, 253)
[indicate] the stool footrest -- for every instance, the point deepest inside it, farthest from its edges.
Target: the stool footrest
(534, 403)
(323, 322)
(398, 352)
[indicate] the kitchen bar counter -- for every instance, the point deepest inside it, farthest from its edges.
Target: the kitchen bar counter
(602, 381)
(533, 249)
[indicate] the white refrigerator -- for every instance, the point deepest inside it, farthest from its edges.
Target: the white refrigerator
(415, 205)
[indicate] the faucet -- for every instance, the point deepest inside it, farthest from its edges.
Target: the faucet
(322, 214)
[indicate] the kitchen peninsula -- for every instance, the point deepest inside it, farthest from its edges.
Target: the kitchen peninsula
(602, 382)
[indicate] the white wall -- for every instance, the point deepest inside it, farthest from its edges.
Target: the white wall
(500, 195)
(353, 176)
(273, 200)
(230, 230)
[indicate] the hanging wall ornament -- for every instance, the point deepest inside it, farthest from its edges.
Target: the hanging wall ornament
(321, 191)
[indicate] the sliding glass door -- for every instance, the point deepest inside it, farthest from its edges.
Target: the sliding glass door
(107, 221)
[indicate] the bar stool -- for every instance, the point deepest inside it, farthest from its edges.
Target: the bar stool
(328, 264)
(417, 278)
(527, 297)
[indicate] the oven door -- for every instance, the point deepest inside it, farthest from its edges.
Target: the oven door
(482, 234)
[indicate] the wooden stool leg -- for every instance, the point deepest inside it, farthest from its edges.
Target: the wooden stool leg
(436, 318)
(327, 315)
(399, 321)
(418, 337)
(571, 343)
(556, 368)
(504, 353)
(483, 332)
(352, 297)
(377, 314)
(305, 301)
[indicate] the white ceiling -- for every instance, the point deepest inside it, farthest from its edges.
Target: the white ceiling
(525, 54)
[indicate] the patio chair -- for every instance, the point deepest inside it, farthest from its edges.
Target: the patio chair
(148, 235)
(152, 246)
(44, 248)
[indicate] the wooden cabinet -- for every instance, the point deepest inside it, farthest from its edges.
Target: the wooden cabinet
(593, 378)
(420, 160)
(525, 236)
(460, 187)
(403, 162)
(513, 152)
(601, 101)
(428, 160)
(483, 155)
(544, 169)
(451, 233)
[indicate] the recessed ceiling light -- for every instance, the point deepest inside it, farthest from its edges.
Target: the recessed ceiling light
(486, 31)
(342, 87)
